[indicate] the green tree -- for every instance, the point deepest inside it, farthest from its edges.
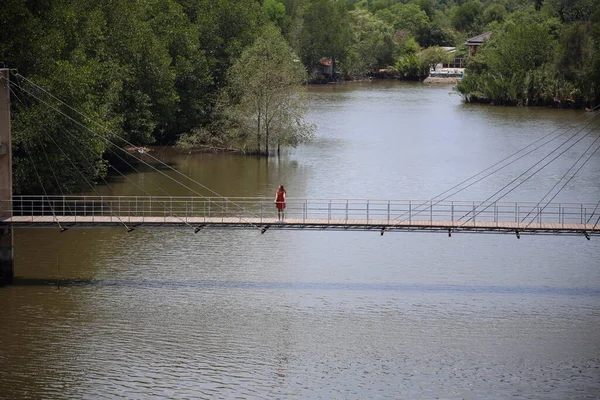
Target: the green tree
(575, 10)
(430, 57)
(373, 43)
(265, 94)
(326, 32)
(275, 11)
(466, 17)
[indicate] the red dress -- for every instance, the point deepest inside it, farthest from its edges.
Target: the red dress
(280, 201)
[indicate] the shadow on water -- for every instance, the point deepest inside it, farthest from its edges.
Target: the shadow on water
(210, 284)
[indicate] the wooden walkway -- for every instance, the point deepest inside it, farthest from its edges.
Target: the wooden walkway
(264, 224)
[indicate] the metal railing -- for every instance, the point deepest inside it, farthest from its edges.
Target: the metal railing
(302, 210)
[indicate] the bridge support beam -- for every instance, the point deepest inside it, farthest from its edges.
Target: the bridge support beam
(6, 234)
(6, 256)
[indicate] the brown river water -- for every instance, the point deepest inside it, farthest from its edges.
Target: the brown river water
(224, 314)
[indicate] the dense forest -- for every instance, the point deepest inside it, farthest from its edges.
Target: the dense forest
(229, 73)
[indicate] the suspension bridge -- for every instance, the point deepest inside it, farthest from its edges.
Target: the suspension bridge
(200, 212)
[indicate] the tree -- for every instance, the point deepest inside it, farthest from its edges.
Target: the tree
(575, 10)
(326, 32)
(265, 94)
(466, 17)
(431, 56)
(275, 11)
(373, 43)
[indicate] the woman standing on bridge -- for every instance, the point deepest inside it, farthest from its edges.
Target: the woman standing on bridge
(280, 202)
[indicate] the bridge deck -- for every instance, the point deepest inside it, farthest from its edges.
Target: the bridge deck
(302, 214)
(301, 223)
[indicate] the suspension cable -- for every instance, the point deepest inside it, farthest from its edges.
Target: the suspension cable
(525, 172)
(45, 154)
(494, 165)
(565, 184)
(149, 165)
(54, 217)
(80, 173)
(131, 144)
(126, 177)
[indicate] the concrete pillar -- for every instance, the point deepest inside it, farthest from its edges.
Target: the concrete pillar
(6, 232)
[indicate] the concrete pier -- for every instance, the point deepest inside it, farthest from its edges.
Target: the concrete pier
(6, 234)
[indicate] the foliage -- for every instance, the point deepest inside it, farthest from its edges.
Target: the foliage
(466, 17)
(372, 45)
(430, 57)
(153, 71)
(326, 32)
(541, 70)
(265, 95)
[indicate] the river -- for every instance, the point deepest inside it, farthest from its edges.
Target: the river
(156, 314)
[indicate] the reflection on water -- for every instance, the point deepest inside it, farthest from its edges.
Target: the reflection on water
(102, 313)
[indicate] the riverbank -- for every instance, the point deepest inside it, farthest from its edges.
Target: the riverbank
(451, 80)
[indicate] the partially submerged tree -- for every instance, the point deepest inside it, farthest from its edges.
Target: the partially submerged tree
(265, 98)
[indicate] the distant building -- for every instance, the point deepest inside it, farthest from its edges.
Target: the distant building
(326, 66)
(477, 41)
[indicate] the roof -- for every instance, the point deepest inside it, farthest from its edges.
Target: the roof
(326, 62)
(479, 39)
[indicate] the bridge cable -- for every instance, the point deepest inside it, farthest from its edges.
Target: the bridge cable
(131, 144)
(149, 165)
(48, 161)
(129, 229)
(593, 212)
(525, 172)
(426, 203)
(565, 184)
(45, 193)
(128, 179)
(530, 176)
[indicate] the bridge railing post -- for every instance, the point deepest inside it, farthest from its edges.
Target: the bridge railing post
(346, 210)
(496, 217)
(561, 217)
(388, 212)
(305, 210)
(430, 212)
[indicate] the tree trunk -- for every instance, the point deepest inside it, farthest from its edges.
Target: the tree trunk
(333, 69)
(267, 139)
(258, 133)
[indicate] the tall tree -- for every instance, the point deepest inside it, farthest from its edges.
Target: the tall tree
(266, 94)
(326, 32)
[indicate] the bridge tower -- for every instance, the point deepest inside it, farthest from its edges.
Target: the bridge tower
(6, 233)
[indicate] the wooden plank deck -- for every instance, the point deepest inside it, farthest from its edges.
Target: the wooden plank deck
(296, 223)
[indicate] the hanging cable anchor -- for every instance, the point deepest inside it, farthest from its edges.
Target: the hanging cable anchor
(586, 235)
(518, 234)
(264, 229)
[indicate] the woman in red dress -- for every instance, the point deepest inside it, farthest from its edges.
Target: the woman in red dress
(280, 202)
